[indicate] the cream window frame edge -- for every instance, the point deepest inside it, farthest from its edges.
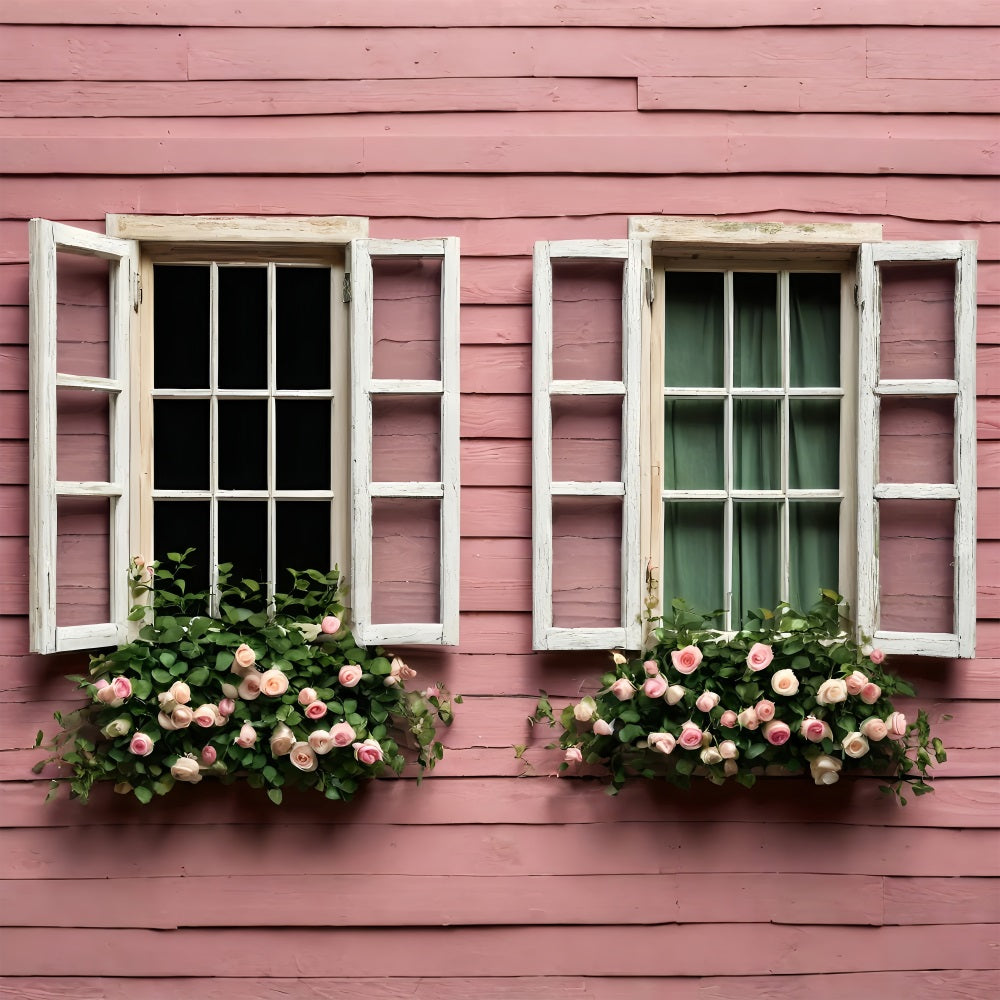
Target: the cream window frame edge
(46, 238)
(628, 634)
(363, 489)
(960, 643)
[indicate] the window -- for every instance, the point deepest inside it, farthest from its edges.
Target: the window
(804, 418)
(274, 392)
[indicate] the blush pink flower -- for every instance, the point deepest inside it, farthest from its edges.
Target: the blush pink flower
(209, 755)
(343, 734)
(122, 687)
(815, 730)
(226, 707)
(623, 689)
(876, 656)
(896, 726)
(141, 745)
(368, 752)
(247, 736)
(329, 625)
(315, 710)
(874, 730)
(349, 675)
(662, 742)
(855, 682)
(204, 716)
(855, 745)
(106, 694)
(573, 755)
(728, 750)
(674, 694)
(871, 693)
(307, 696)
(748, 719)
(243, 659)
(273, 683)
(321, 741)
(764, 710)
(777, 733)
(651, 667)
(282, 740)
(728, 719)
(707, 700)
(180, 692)
(182, 717)
(690, 737)
(303, 757)
(655, 686)
(249, 689)
(686, 660)
(602, 728)
(760, 656)
(784, 682)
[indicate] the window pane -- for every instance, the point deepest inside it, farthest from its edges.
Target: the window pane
(406, 317)
(242, 327)
(82, 316)
(814, 329)
(586, 562)
(181, 525)
(756, 350)
(242, 444)
(814, 551)
(180, 444)
(302, 323)
(303, 538)
(243, 534)
(82, 425)
(302, 458)
(406, 560)
(693, 555)
(587, 319)
(916, 440)
(586, 439)
(756, 558)
(814, 444)
(406, 434)
(917, 335)
(693, 450)
(181, 319)
(757, 450)
(82, 560)
(694, 331)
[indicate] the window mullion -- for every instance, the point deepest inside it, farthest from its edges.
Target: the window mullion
(213, 437)
(784, 333)
(727, 482)
(272, 432)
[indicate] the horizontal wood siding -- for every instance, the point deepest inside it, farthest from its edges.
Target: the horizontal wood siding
(504, 123)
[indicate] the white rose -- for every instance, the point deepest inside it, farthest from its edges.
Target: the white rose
(710, 756)
(584, 711)
(784, 682)
(321, 741)
(186, 769)
(282, 740)
(674, 694)
(825, 770)
(303, 757)
(832, 692)
(855, 745)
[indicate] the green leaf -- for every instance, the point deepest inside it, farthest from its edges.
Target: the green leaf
(274, 794)
(143, 794)
(39, 736)
(754, 750)
(161, 676)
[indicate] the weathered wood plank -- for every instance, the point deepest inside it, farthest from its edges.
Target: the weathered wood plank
(949, 54)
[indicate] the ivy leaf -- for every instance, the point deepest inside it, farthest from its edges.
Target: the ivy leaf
(274, 794)
(143, 794)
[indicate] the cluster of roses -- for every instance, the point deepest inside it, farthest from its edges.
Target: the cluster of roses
(713, 750)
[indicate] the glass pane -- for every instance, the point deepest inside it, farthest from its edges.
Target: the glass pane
(406, 547)
(917, 337)
(756, 349)
(242, 327)
(243, 534)
(587, 319)
(814, 329)
(82, 427)
(406, 317)
(756, 558)
(813, 444)
(693, 555)
(693, 444)
(916, 556)
(757, 448)
(302, 457)
(181, 321)
(814, 551)
(586, 562)
(242, 444)
(180, 444)
(180, 525)
(406, 439)
(916, 440)
(302, 323)
(694, 333)
(83, 315)
(83, 558)
(587, 439)
(303, 538)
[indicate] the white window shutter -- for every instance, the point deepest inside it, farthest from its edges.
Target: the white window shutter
(627, 633)
(961, 388)
(45, 239)
(364, 490)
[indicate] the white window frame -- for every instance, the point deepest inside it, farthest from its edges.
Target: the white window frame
(128, 239)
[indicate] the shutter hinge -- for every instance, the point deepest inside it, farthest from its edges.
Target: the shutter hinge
(347, 287)
(136, 292)
(647, 273)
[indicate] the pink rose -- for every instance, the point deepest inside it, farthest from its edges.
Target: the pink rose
(122, 687)
(730, 767)
(273, 683)
(209, 755)
(247, 737)
(106, 694)
(315, 710)
(748, 719)
(163, 721)
(138, 562)
(784, 682)
(832, 692)
(321, 741)
(602, 728)
(777, 733)
(815, 730)
(249, 687)
(855, 745)
(655, 686)
(329, 625)
(651, 667)
(369, 752)
(282, 740)
(662, 742)
(686, 660)
(674, 694)
(307, 696)
(760, 656)
(180, 692)
(896, 726)
(343, 734)
(855, 682)
(728, 750)
(876, 656)
(141, 745)
(182, 717)
(764, 710)
(707, 700)
(350, 675)
(871, 693)
(690, 737)
(303, 757)
(243, 659)
(622, 689)
(728, 719)
(573, 755)
(204, 716)
(431, 692)
(874, 730)
(226, 707)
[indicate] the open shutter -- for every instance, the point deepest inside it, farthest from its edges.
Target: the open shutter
(399, 384)
(79, 401)
(915, 492)
(564, 470)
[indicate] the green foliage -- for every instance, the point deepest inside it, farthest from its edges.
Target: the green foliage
(635, 729)
(180, 702)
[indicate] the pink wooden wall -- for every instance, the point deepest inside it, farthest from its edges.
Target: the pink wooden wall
(503, 123)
